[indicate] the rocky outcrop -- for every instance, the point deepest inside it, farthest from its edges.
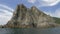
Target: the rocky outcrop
(25, 18)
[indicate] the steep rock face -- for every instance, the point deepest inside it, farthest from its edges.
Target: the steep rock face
(23, 17)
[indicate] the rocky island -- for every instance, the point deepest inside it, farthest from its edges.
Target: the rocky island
(24, 17)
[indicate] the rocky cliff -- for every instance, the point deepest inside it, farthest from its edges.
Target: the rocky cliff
(29, 17)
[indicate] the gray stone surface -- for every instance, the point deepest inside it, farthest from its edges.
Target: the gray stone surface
(32, 17)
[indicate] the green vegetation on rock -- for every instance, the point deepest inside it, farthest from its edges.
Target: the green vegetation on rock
(57, 20)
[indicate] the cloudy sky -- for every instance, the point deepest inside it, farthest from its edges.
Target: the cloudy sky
(50, 7)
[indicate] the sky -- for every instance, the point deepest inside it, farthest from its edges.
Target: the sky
(7, 7)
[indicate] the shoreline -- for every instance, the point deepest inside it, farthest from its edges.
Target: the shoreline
(48, 26)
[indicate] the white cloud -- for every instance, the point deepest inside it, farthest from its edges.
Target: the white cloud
(50, 2)
(32, 1)
(55, 14)
(4, 19)
(5, 12)
(48, 13)
(44, 2)
(4, 6)
(5, 15)
(41, 3)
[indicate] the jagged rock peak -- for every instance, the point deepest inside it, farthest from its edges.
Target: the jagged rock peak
(21, 7)
(34, 7)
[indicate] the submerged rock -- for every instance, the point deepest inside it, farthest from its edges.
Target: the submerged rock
(26, 18)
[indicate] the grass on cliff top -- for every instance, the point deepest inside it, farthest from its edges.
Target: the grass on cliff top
(57, 20)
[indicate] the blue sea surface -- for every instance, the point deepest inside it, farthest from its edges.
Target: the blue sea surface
(30, 31)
